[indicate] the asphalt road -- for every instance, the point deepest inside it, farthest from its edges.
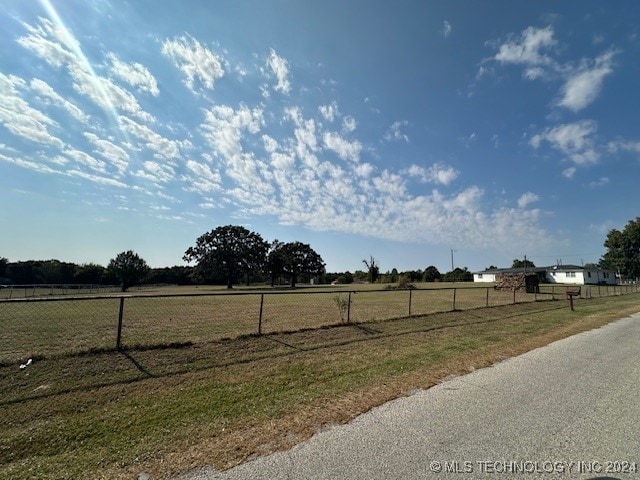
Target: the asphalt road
(567, 410)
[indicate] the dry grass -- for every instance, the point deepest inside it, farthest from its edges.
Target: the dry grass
(69, 326)
(165, 410)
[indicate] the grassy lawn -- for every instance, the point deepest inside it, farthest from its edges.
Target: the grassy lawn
(170, 315)
(165, 410)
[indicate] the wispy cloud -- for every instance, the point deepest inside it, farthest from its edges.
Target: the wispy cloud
(529, 49)
(533, 50)
(574, 140)
(280, 68)
(394, 133)
(527, 198)
(135, 74)
(446, 29)
(437, 173)
(43, 89)
(195, 61)
(601, 182)
(346, 150)
(584, 84)
(22, 119)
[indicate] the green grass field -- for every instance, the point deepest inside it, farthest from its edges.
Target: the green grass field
(156, 316)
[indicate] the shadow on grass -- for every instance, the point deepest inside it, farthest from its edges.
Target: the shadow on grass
(89, 371)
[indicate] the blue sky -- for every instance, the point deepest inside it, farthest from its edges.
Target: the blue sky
(400, 130)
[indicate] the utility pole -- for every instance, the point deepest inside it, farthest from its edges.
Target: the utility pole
(452, 272)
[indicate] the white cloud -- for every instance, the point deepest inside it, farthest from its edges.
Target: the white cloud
(195, 61)
(349, 124)
(346, 150)
(135, 74)
(157, 172)
(527, 199)
(47, 92)
(329, 112)
(437, 173)
(163, 147)
(20, 118)
(617, 145)
(58, 47)
(569, 172)
(446, 29)
(574, 140)
(280, 68)
(112, 182)
(50, 42)
(85, 159)
(113, 153)
(223, 127)
(204, 179)
(601, 182)
(528, 49)
(394, 133)
(585, 83)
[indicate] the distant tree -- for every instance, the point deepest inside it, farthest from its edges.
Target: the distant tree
(345, 278)
(300, 258)
(88, 273)
(230, 249)
(360, 276)
(394, 275)
(623, 250)
(591, 266)
(458, 275)
(373, 270)
(491, 267)
(4, 263)
(129, 268)
(275, 260)
(522, 264)
(177, 275)
(431, 274)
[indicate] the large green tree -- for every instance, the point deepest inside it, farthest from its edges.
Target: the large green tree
(432, 274)
(231, 249)
(300, 258)
(623, 250)
(129, 268)
(517, 263)
(275, 260)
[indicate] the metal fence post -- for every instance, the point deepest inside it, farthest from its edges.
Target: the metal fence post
(349, 308)
(120, 315)
(454, 299)
(514, 295)
(487, 302)
(260, 317)
(410, 302)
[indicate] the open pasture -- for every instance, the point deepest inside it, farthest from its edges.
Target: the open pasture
(156, 316)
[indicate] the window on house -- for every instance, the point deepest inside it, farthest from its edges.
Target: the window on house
(571, 274)
(479, 276)
(589, 274)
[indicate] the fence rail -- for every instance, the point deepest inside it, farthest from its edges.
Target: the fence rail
(45, 326)
(8, 292)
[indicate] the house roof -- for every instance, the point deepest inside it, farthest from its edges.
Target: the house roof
(554, 268)
(515, 270)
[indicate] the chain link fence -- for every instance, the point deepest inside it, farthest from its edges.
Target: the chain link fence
(45, 326)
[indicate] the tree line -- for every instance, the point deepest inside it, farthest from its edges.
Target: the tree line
(231, 254)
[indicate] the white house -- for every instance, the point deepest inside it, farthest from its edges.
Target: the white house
(575, 275)
(566, 274)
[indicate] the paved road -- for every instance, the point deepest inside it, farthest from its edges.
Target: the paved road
(567, 410)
